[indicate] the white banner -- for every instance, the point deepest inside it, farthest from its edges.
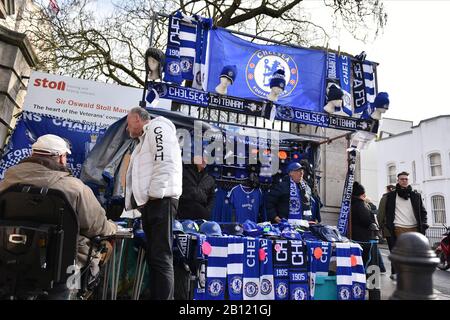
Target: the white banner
(81, 100)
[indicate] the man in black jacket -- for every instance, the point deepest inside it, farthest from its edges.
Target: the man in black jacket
(197, 200)
(404, 209)
(279, 196)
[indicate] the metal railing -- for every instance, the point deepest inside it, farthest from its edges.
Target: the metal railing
(434, 235)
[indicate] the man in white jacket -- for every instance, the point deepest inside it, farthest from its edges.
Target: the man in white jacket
(154, 185)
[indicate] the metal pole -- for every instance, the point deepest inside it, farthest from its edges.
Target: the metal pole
(415, 264)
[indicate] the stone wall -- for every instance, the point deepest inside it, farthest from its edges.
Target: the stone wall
(16, 60)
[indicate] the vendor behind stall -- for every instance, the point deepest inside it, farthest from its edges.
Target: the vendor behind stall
(291, 198)
(197, 200)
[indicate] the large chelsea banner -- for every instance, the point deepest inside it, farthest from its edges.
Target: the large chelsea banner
(305, 70)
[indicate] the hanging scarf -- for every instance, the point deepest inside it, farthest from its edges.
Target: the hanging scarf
(216, 272)
(281, 269)
(344, 280)
(235, 267)
(298, 275)
(295, 203)
(266, 280)
(251, 290)
(358, 272)
(319, 254)
(404, 193)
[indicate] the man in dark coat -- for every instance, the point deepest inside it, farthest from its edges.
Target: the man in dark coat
(279, 196)
(197, 199)
(404, 209)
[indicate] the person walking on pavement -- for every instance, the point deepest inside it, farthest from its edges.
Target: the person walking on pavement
(405, 211)
(153, 186)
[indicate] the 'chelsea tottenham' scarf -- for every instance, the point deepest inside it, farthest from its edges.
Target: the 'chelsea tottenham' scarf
(295, 203)
(347, 195)
(298, 276)
(235, 267)
(251, 270)
(319, 253)
(266, 283)
(216, 273)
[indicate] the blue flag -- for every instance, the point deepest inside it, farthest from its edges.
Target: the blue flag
(305, 70)
(82, 138)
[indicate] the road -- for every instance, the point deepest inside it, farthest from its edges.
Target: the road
(441, 280)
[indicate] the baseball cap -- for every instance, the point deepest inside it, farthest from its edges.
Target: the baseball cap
(50, 144)
(294, 166)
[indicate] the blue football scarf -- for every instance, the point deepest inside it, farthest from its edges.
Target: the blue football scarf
(358, 273)
(344, 77)
(216, 272)
(188, 32)
(266, 280)
(369, 81)
(188, 43)
(281, 269)
(319, 253)
(347, 195)
(235, 267)
(298, 276)
(359, 87)
(172, 68)
(343, 271)
(201, 262)
(251, 270)
(338, 70)
(295, 203)
(200, 66)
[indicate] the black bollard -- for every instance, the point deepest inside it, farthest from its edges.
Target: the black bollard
(415, 263)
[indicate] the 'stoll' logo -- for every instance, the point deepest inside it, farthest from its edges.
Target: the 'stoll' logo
(45, 83)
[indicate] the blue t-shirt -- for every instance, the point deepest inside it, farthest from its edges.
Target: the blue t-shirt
(246, 202)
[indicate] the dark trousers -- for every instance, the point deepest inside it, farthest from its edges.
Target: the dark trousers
(157, 219)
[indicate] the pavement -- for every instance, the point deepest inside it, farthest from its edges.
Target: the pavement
(441, 280)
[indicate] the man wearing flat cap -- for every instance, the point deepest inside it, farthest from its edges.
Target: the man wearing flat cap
(291, 198)
(46, 167)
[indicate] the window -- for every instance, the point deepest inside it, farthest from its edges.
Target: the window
(435, 164)
(413, 166)
(392, 174)
(438, 209)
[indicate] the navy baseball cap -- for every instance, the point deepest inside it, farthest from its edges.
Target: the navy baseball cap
(211, 228)
(190, 226)
(294, 166)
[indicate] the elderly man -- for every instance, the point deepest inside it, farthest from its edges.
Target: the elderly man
(47, 167)
(153, 185)
(291, 198)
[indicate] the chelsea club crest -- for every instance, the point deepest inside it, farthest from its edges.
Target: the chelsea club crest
(215, 288)
(261, 67)
(236, 284)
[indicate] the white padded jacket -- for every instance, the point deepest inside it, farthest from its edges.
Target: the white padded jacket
(155, 169)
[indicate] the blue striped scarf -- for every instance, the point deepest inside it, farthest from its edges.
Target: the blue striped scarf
(235, 267)
(216, 273)
(266, 281)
